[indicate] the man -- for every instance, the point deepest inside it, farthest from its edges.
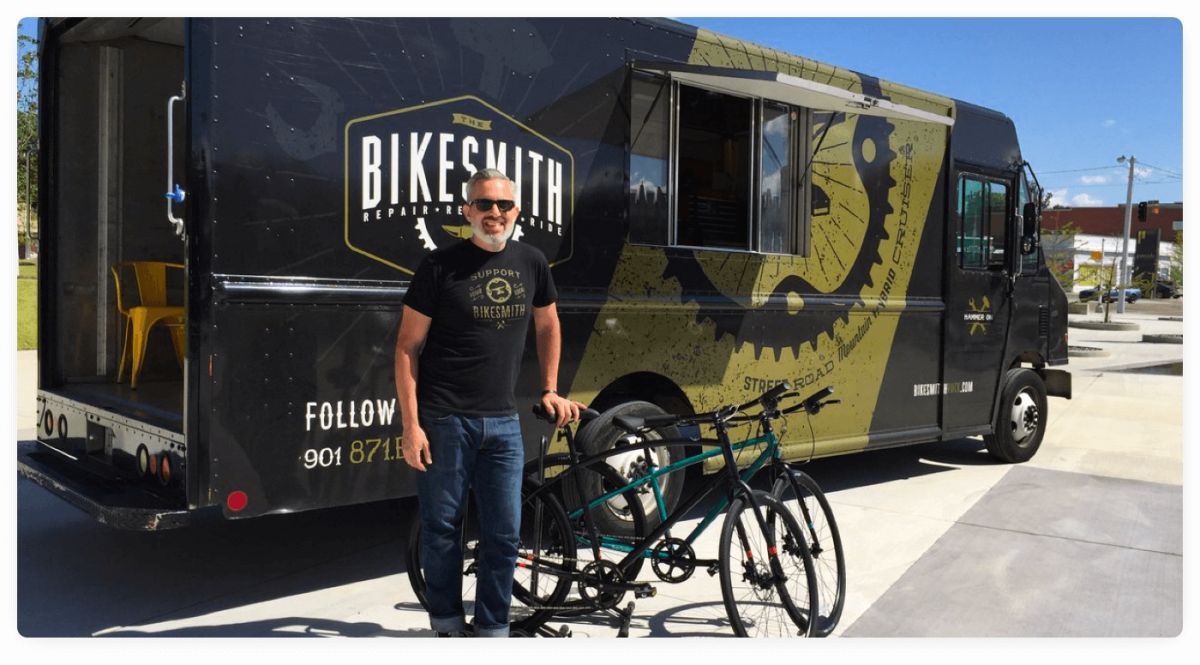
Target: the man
(458, 352)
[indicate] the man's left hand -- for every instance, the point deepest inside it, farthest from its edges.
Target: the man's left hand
(565, 410)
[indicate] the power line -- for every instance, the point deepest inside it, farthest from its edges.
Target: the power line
(1112, 168)
(1094, 168)
(1156, 168)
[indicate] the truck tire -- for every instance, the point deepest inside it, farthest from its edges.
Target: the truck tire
(601, 435)
(1022, 418)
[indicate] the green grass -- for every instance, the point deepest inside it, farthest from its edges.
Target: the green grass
(27, 307)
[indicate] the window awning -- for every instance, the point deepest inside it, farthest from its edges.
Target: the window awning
(791, 90)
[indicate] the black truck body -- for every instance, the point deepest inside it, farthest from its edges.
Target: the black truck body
(311, 163)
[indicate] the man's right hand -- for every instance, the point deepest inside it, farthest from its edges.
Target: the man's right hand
(415, 446)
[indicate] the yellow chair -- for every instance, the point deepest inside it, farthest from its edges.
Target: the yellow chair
(151, 279)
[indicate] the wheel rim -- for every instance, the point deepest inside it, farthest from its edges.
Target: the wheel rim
(633, 465)
(1024, 418)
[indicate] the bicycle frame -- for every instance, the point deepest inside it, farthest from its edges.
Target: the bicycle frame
(728, 477)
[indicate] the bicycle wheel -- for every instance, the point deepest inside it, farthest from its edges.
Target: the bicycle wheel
(543, 573)
(769, 588)
(801, 495)
(595, 572)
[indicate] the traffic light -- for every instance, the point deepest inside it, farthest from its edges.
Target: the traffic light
(1142, 212)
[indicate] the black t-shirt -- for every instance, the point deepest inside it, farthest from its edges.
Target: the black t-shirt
(481, 303)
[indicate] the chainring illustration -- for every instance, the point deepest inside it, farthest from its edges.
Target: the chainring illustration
(852, 182)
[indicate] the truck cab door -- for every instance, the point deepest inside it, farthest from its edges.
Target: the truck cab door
(978, 288)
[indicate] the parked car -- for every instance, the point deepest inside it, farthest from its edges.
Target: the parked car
(1131, 295)
(1166, 290)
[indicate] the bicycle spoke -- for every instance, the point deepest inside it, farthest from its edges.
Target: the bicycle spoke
(767, 587)
(800, 494)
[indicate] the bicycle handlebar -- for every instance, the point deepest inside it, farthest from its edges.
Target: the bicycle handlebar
(768, 400)
(541, 413)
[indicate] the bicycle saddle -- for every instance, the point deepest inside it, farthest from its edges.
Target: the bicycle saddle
(642, 424)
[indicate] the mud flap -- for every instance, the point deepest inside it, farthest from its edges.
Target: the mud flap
(1058, 382)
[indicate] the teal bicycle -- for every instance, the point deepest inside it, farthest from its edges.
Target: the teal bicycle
(780, 575)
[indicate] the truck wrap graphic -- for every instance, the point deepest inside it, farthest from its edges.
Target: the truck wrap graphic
(740, 323)
(406, 170)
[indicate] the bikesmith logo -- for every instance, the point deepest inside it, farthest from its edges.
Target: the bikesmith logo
(406, 174)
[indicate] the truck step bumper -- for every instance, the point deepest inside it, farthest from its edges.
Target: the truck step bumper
(109, 502)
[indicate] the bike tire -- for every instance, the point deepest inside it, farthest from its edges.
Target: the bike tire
(602, 479)
(543, 573)
(801, 495)
(768, 587)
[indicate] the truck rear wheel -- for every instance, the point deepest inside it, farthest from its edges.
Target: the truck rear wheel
(601, 435)
(1022, 420)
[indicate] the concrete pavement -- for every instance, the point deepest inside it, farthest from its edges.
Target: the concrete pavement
(1085, 540)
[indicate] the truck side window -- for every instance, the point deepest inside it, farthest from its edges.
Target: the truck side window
(777, 195)
(649, 165)
(982, 227)
(714, 170)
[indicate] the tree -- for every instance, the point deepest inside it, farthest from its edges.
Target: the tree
(27, 121)
(1058, 248)
(1176, 270)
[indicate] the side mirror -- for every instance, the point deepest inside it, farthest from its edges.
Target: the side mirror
(1032, 218)
(1029, 232)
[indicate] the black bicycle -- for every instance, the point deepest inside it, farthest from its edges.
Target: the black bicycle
(775, 568)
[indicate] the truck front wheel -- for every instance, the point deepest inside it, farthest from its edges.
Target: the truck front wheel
(1022, 419)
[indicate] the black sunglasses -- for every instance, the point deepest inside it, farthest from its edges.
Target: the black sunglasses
(485, 205)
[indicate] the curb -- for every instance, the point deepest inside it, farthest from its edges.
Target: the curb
(1087, 352)
(1101, 325)
(1162, 339)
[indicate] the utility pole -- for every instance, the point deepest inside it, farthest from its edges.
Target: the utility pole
(1124, 279)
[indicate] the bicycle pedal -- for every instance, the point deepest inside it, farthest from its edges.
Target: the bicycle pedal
(714, 569)
(626, 619)
(644, 591)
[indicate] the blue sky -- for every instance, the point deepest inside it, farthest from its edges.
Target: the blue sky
(1082, 91)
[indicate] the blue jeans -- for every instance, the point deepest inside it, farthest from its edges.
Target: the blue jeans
(485, 455)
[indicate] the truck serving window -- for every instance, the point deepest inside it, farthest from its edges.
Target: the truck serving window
(982, 211)
(720, 172)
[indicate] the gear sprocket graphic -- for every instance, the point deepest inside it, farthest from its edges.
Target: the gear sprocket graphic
(844, 248)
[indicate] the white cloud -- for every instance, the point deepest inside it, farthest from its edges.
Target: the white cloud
(1085, 201)
(1108, 123)
(1094, 179)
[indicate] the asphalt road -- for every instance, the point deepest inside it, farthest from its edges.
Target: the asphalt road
(1084, 541)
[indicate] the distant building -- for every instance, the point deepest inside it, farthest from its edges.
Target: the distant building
(1110, 220)
(1099, 232)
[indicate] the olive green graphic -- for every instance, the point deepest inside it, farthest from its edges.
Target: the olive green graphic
(740, 323)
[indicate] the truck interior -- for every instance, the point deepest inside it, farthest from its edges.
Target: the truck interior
(116, 266)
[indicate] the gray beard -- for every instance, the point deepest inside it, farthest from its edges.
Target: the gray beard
(494, 241)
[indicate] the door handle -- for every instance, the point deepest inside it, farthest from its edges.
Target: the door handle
(176, 194)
